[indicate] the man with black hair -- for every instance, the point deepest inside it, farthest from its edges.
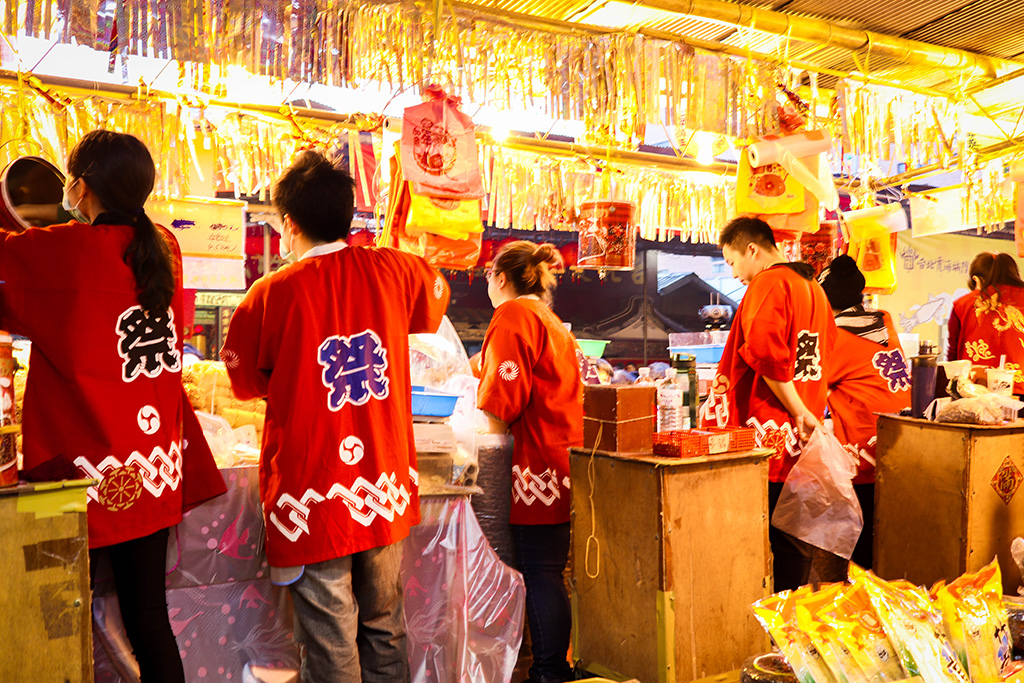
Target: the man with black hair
(771, 376)
(326, 341)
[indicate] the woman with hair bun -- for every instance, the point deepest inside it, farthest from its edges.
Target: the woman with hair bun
(530, 386)
(989, 321)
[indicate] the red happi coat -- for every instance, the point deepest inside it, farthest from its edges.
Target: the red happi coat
(983, 327)
(326, 340)
(530, 379)
(104, 397)
(783, 330)
(864, 378)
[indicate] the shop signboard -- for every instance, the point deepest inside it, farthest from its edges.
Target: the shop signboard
(211, 234)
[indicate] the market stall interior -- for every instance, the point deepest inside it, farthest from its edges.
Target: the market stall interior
(627, 135)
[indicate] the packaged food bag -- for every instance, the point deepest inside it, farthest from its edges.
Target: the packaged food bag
(856, 627)
(768, 189)
(776, 613)
(439, 154)
(915, 627)
(807, 603)
(976, 622)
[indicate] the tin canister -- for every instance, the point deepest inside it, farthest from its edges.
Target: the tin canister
(8, 426)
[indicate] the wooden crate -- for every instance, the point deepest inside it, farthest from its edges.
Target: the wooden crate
(44, 566)
(947, 499)
(662, 588)
(619, 418)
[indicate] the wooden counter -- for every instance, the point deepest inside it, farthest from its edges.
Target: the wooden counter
(947, 499)
(668, 555)
(44, 568)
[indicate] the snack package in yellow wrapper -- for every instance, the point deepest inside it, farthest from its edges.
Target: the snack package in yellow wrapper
(807, 604)
(914, 626)
(975, 619)
(857, 628)
(776, 614)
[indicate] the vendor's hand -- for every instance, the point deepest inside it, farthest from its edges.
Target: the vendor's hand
(805, 426)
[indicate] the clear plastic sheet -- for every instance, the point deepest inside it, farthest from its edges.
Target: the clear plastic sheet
(225, 614)
(464, 608)
(494, 505)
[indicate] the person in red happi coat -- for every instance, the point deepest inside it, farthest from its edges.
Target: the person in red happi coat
(868, 373)
(100, 299)
(530, 386)
(772, 373)
(326, 340)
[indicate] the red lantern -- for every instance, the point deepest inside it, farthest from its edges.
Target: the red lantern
(570, 254)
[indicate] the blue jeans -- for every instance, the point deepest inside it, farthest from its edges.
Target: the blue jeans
(348, 619)
(541, 552)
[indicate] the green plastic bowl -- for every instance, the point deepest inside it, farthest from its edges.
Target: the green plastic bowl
(592, 348)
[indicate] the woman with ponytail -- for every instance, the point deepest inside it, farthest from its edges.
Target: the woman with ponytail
(530, 386)
(989, 321)
(100, 299)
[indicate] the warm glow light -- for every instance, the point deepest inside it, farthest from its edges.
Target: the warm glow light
(705, 148)
(500, 133)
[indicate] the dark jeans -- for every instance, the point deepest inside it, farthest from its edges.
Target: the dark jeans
(791, 556)
(139, 567)
(542, 551)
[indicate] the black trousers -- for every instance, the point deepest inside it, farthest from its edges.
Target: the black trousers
(863, 553)
(139, 567)
(792, 557)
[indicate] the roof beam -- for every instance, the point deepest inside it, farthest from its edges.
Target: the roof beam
(822, 32)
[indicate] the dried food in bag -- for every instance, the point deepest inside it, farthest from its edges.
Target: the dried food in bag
(915, 627)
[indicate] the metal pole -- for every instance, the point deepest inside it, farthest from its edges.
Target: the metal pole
(643, 310)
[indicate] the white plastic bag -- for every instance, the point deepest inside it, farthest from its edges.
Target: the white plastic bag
(818, 504)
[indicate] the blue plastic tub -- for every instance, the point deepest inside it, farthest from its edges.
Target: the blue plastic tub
(430, 403)
(705, 353)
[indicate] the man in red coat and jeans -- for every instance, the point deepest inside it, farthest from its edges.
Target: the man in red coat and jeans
(772, 373)
(326, 341)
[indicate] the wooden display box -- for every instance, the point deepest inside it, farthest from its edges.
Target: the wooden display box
(948, 499)
(662, 589)
(619, 418)
(44, 565)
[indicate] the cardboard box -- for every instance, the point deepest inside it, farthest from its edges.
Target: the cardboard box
(948, 499)
(44, 565)
(619, 418)
(433, 437)
(667, 557)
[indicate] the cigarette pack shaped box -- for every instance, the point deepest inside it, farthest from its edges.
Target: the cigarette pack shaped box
(619, 419)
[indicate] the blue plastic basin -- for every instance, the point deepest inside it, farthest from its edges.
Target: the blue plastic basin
(705, 353)
(430, 403)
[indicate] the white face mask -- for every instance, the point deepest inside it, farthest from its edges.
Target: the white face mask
(75, 212)
(286, 253)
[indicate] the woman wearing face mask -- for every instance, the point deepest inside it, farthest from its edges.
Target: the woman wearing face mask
(100, 299)
(530, 386)
(988, 322)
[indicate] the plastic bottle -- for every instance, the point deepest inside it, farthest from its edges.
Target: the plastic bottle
(644, 376)
(670, 403)
(686, 376)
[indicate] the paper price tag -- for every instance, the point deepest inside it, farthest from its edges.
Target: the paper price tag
(718, 443)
